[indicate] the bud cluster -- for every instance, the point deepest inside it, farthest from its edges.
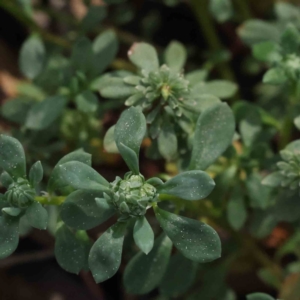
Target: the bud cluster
(20, 194)
(290, 169)
(131, 196)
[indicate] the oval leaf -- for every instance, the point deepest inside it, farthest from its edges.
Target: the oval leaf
(37, 216)
(175, 56)
(195, 240)
(144, 272)
(106, 253)
(36, 174)
(214, 133)
(143, 235)
(190, 185)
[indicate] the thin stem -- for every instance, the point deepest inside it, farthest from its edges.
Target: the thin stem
(51, 200)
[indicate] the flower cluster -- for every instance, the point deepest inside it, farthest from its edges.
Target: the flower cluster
(131, 196)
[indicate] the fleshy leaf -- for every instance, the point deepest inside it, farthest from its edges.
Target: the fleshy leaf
(9, 235)
(109, 141)
(189, 185)
(71, 250)
(6, 180)
(175, 56)
(37, 216)
(81, 176)
(195, 240)
(214, 133)
(130, 158)
(275, 76)
(12, 157)
(144, 272)
(81, 211)
(259, 296)
(36, 174)
(86, 102)
(106, 253)
(144, 56)
(273, 179)
(143, 235)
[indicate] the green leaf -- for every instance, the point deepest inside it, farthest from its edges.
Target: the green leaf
(189, 185)
(55, 181)
(143, 235)
(105, 48)
(93, 17)
(37, 216)
(297, 122)
(167, 141)
(32, 57)
(266, 51)
(221, 10)
(144, 272)
(255, 31)
(196, 77)
(130, 131)
(87, 102)
(290, 40)
(9, 235)
(286, 11)
(259, 296)
(12, 211)
(15, 110)
(214, 132)
(175, 56)
(44, 113)
(81, 211)
(179, 277)
(220, 88)
(71, 250)
(6, 180)
(116, 88)
(36, 173)
(12, 157)
(109, 141)
(144, 56)
(106, 253)
(259, 194)
(195, 240)
(130, 158)
(82, 57)
(273, 180)
(236, 209)
(81, 176)
(275, 76)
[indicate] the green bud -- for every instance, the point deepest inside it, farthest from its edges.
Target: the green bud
(20, 194)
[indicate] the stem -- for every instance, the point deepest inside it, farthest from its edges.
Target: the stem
(49, 200)
(200, 9)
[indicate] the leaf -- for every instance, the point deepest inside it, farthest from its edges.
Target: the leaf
(36, 173)
(105, 48)
(82, 56)
(32, 57)
(81, 176)
(9, 235)
(71, 250)
(214, 132)
(130, 158)
(297, 122)
(290, 39)
(286, 11)
(106, 253)
(179, 276)
(189, 185)
(275, 76)
(266, 51)
(195, 240)
(144, 56)
(12, 211)
(144, 272)
(12, 157)
(196, 76)
(167, 141)
(44, 113)
(93, 17)
(6, 180)
(81, 211)
(259, 296)
(15, 110)
(37, 216)
(236, 209)
(143, 235)
(109, 141)
(273, 180)
(55, 181)
(221, 10)
(86, 102)
(220, 88)
(130, 131)
(255, 31)
(116, 88)
(175, 56)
